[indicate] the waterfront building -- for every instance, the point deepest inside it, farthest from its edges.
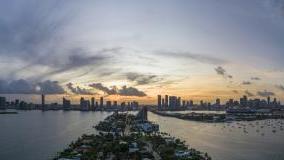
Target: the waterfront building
(183, 103)
(218, 102)
(42, 101)
(191, 103)
(84, 104)
(166, 101)
(108, 104)
(172, 101)
(66, 103)
(114, 103)
(102, 102)
(159, 101)
(178, 102)
(93, 103)
(2, 103)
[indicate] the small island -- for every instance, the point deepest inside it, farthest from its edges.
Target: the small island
(127, 136)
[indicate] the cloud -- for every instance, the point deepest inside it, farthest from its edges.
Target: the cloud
(100, 87)
(221, 71)
(246, 83)
(131, 91)
(235, 91)
(255, 78)
(202, 58)
(248, 93)
(78, 90)
(50, 87)
(22, 86)
(37, 34)
(29, 31)
(277, 7)
(281, 87)
(265, 93)
(77, 58)
(124, 91)
(142, 79)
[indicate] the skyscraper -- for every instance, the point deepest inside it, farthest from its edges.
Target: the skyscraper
(2, 103)
(172, 101)
(166, 101)
(108, 104)
(102, 102)
(115, 103)
(42, 101)
(218, 102)
(93, 103)
(178, 101)
(66, 104)
(159, 101)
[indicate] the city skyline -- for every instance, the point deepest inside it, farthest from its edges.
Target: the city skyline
(195, 50)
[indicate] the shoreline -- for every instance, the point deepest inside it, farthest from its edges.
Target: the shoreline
(218, 118)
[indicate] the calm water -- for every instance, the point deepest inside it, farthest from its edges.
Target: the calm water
(229, 141)
(36, 135)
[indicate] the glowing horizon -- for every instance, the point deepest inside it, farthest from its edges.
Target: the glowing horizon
(199, 50)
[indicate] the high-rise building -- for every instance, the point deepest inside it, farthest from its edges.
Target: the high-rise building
(84, 104)
(2, 103)
(163, 102)
(172, 101)
(66, 103)
(218, 102)
(93, 103)
(178, 102)
(201, 103)
(166, 101)
(191, 102)
(114, 103)
(183, 103)
(42, 101)
(102, 102)
(268, 100)
(159, 101)
(108, 104)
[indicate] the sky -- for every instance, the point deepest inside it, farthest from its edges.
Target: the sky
(134, 50)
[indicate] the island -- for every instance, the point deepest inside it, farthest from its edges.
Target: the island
(128, 136)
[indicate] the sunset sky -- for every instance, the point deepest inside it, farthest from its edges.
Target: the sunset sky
(136, 49)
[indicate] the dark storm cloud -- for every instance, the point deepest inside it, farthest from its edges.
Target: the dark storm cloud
(265, 93)
(124, 91)
(255, 78)
(246, 83)
(281, 87)
(142, 79)
(26, 87)
(78, 90)
(197, 57)
(248, 93)
(221, 71)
